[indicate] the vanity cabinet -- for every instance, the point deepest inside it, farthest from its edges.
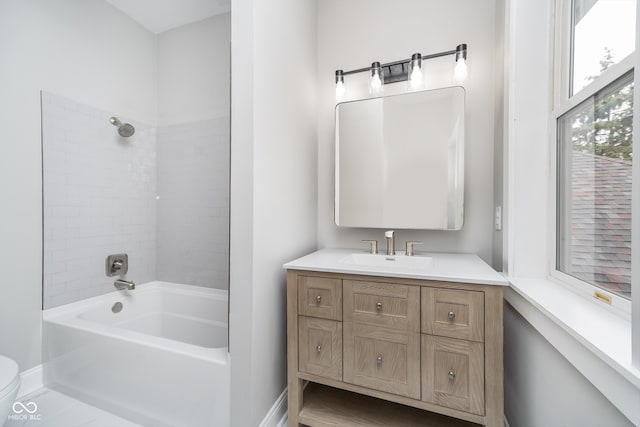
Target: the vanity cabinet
(366, 344)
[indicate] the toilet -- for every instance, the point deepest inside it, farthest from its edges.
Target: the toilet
(9, 385)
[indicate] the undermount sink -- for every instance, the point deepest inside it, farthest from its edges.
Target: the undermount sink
(391, 261)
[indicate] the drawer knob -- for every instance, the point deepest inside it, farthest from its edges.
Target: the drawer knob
(379, 306)
(379, 360)
(452, 315)
(318, 348)
(452, 375)
(318, 299)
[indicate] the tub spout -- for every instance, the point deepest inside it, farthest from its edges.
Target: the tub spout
(124, 284)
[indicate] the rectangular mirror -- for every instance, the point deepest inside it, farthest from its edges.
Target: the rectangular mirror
(400, 161)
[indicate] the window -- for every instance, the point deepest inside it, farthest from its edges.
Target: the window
(594, 150)
(594, 189)
(603, 33)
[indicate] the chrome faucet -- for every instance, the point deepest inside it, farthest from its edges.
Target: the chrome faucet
(391, 242)
(124, 284)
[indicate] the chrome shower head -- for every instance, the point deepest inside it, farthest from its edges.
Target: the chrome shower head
(124, 129)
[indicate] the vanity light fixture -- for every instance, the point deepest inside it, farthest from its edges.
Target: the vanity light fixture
(411, 70)
(460, 70)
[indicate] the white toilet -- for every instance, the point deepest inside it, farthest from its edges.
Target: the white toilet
(9, 385)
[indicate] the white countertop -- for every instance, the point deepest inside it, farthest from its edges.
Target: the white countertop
(463, 268)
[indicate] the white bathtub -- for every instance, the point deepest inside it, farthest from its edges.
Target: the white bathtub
(161, 360)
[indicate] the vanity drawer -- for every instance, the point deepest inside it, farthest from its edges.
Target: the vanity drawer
(453, 313)
(382, 359)
(320, 347)
(320, 297)
(453, 373)
(382, 304)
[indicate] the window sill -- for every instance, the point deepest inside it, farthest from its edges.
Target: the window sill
(594, 340)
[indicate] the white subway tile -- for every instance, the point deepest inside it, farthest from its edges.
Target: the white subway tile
(100, 198)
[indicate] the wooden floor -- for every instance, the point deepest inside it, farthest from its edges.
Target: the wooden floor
(327, 406)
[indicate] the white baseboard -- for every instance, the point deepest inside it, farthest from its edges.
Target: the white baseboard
(506, 423)
(277, 413)
(30, 381)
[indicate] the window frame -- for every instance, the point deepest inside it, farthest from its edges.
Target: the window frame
(562, 41)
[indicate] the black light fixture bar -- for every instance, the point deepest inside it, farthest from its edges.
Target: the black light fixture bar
(392, 77)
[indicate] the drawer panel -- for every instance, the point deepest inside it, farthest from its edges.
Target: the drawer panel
(453, 313)
(382, 304)
(382, 359)
(320, 297)
(453, 373)
(320, 347)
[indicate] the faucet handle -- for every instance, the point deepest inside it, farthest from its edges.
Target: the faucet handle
(117, 265)
(410, 245)
(388, 234)
(373, 246)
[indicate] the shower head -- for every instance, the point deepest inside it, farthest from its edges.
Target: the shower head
(124, 129)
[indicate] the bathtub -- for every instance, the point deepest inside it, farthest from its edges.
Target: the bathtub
(156, 355)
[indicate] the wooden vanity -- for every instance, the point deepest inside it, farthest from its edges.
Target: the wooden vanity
(386, 351)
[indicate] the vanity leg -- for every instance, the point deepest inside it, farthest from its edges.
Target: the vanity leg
(294, 385)
(294, 403)
(494, 357)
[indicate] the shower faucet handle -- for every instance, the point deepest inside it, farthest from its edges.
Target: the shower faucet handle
(373, 246)
(117, 265)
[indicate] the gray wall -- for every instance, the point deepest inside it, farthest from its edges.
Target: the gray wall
(543, 389)
(351, 35)
(499, 135)
(273, 188)
(194, 66)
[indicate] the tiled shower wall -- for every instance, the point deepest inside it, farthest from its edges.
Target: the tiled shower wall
(161, 196)
(99, 198)
(193, 205)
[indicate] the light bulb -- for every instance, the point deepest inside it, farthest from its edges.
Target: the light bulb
(460, 70)
(375, 79)
(376, 83)
(416, 78)
(340, 91)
